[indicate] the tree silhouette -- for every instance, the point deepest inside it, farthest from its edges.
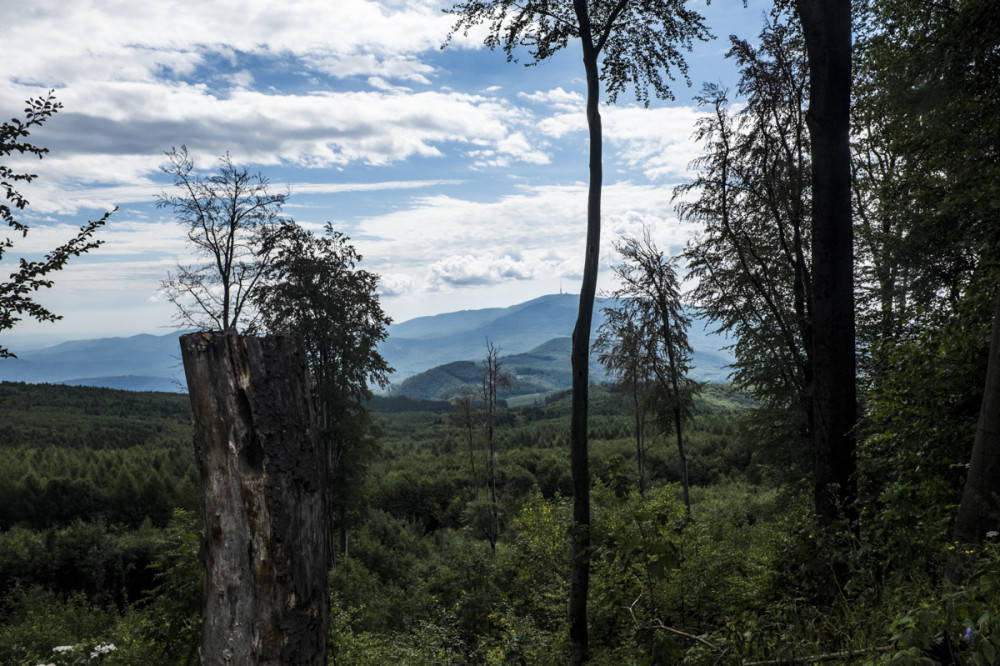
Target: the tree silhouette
(645, 336)
(625, 44)
(316, 289)
(17, 295)
(232, 220)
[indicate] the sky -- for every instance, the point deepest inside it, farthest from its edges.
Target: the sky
(460, 177)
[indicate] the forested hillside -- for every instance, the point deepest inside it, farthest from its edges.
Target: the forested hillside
(418, 581)
(87, 454)
(92, 477)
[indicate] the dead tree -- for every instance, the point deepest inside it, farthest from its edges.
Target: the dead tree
(264, 479)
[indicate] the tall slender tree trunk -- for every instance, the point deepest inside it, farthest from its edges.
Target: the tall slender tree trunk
(472, 460)
(682, 454)
(580, 467)
(979, 511)
(676, 399)
(640, 449)
(827, 28)
(266, 543)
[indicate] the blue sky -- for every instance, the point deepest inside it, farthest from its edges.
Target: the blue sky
(460, 177)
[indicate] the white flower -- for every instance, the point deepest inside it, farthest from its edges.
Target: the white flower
(100, 650)
(992, 533)
(63, 648)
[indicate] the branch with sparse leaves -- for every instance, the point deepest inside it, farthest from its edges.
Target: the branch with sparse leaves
(233, 221)
(17, 294)
(639, 43)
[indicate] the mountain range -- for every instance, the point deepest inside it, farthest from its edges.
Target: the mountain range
(430, 355)
(138, 363)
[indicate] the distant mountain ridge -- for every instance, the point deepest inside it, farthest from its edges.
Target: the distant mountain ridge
(426, 342)
(532, 336)
(138, 363)
(544, 369)
(534, 342)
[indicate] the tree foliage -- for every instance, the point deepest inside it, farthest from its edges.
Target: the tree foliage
(930, 79)
(639, 45)
(621, 350)
(644, 341)
(232, 219)
(751, 259)
(625, 44)
(316, 289)
(17, 294)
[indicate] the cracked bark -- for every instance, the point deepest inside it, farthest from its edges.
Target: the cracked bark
(266, 540)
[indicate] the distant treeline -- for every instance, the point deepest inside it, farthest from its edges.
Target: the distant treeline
(400, 403)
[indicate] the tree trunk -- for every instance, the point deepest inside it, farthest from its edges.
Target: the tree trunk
(675, 372)
(979, 511)
(827, 28)
(266, 541)
(640, 449)
(579, 463)
(682, 454)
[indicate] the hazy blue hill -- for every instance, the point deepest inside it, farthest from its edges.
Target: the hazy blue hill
(547, 368)
(442, 324)
(534, 338)
(442, 382)
(536, 322)
(132, 383)
(474, 321)
(541, 370)
(438, 340)
(409, 357)
(138, 363)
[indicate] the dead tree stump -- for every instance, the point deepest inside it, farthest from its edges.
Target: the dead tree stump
(266, 542)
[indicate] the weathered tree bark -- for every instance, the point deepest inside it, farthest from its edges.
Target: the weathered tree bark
(826, 26)
(979, 511)
(266, 542)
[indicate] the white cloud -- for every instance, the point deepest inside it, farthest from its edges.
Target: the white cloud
(559, 125)
(241, 79)
(118, 237)
(374, 67)
(396, 284)
(517, 146)
(376, 128)
(558, 98)
(138, 78)
(657, 141)
(478, 269)
(120, 40)
(539, 232)
(333, 188)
